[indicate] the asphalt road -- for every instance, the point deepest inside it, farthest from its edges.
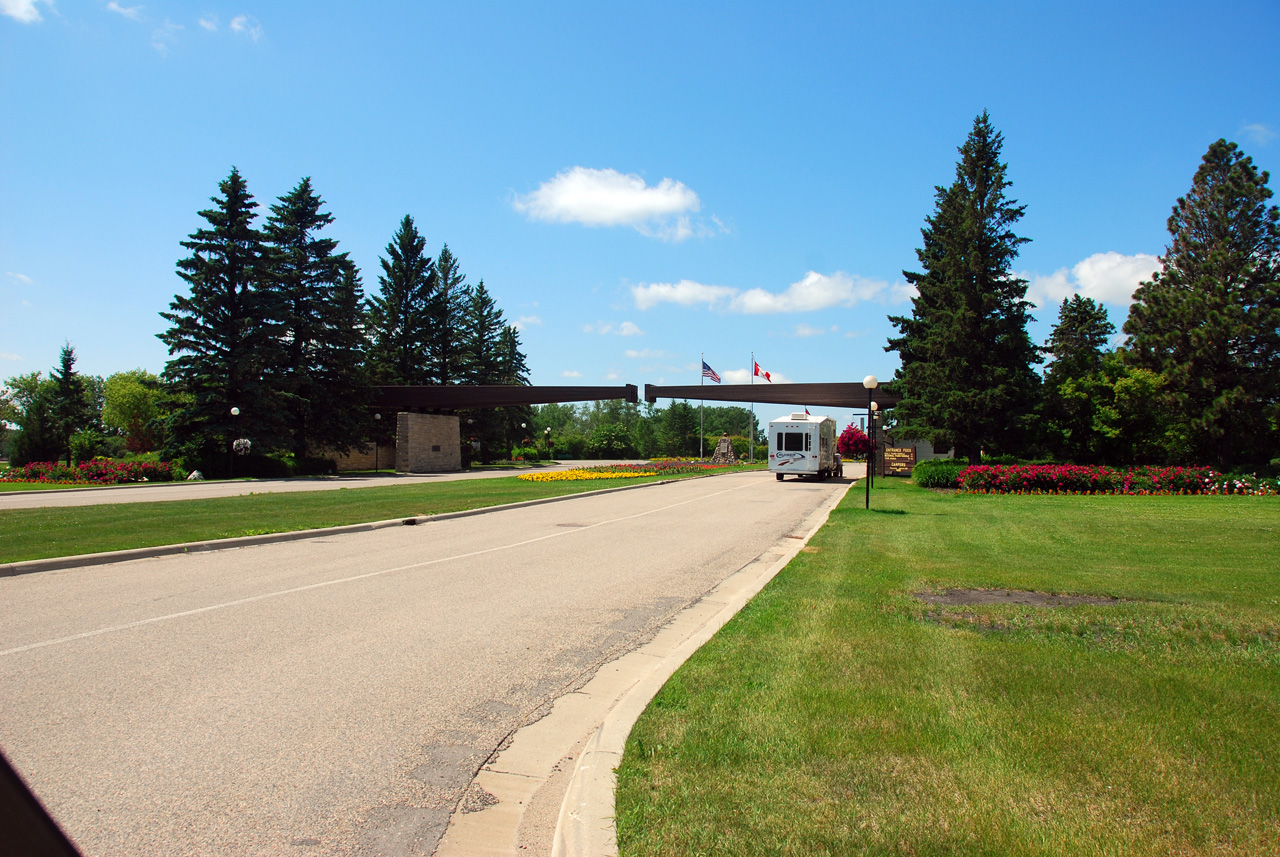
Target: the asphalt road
(336, 695)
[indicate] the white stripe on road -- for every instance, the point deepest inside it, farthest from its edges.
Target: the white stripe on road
(212, 607)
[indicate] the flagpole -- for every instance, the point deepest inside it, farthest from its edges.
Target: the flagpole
(702, 379)
(751, 429)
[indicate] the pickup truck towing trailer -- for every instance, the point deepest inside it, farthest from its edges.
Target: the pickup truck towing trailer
(804, 445)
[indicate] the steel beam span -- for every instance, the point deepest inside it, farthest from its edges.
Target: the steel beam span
(821, 395)
(459, 397)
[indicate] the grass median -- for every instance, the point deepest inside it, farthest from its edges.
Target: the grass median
(841, 714)
(27, 534)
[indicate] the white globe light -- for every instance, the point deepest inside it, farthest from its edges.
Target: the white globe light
(870, 382)
(235, 412)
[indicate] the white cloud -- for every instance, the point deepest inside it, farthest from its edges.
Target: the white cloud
(209, 22)
(163, 37)
(1105, 277)
(130, 12)
(1258, 133)
(524, 322)
(5, 355)
(627, 328)
(814, 292)
(805, 330)
(645, 353)
(571, 373)
(610, 198)
(23, 11)
(21, 278)
(611, 376)
(743, 376)
(246, 25)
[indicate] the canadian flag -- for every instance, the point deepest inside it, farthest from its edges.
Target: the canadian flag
(760, 373)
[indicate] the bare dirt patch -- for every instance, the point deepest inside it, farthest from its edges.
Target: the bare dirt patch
(959, 597)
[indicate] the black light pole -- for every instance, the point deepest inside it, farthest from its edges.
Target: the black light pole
(376, 437)
(231, 456)
(870, 383)
(546, 441)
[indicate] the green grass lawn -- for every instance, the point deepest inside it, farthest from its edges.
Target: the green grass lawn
(37, 533)
(838, 714)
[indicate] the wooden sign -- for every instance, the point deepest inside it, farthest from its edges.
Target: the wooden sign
(898, 460)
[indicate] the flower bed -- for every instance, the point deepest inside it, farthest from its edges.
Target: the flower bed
(1078, 479)
(622, 471)
(98, 472)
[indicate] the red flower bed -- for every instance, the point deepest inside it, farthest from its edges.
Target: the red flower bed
(1078, 479)
(90, 472)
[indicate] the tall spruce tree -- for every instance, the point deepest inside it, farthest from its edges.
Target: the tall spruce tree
(399, 319)
(966, 375)
(225, 335)
(321, 371)
(1077, 346)
(447, 307)
(68, 409)
(513, 369)
(482, 363)
(1209, 320)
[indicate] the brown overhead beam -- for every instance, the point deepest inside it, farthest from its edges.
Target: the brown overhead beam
(459, 397)
(826, 395)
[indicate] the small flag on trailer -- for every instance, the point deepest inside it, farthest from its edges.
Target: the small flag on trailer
(761, 373)
(708, 372)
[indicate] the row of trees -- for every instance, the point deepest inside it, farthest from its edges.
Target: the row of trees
(276, 325)
(618, 429)
(1197, 381)
(73, 417)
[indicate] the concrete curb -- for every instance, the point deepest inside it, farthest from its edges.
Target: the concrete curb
(12, 569)
(614, 699)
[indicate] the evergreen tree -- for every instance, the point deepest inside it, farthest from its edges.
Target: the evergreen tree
(1078, 339)
(68, 410)
(399, 320)
(1209, 320)
(321, 372)
(1077, 346)
(481, 362)
(513, 369)
(482, 327)
(225, 334)
(447, 307)
(966, 375)
(680, 429)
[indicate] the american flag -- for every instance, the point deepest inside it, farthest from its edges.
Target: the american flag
(708, 372)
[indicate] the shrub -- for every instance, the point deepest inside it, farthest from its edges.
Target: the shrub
(938, 472)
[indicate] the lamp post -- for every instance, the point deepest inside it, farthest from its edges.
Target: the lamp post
(231, 458)
(546, 441)
(870, 382)
(377, 423)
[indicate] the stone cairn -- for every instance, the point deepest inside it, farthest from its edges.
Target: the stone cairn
(724, 452)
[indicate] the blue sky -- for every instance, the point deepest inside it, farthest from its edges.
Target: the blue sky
(636, 184)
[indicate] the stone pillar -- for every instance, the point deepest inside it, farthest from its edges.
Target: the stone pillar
(427, 443)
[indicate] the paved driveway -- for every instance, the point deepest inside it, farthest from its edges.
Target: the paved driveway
(336, 695)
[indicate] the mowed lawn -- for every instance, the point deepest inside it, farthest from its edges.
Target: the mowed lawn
(839, 715)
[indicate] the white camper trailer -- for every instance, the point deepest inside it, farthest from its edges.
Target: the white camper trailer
(803, 445)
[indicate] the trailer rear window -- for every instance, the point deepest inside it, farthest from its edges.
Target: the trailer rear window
(792, 441)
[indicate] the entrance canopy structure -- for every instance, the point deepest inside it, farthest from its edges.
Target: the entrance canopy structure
(456, 397)
(828, 395)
